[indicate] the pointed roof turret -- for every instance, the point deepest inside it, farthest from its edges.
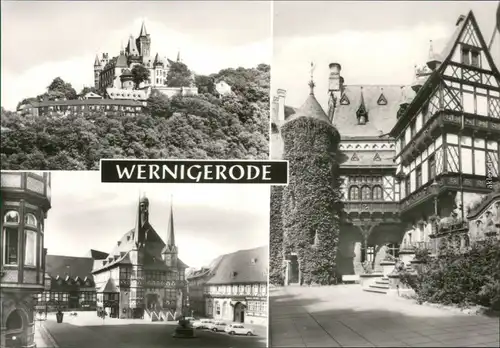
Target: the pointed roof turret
(97, 61)
(158, 60)
(311, 107)
(434, 58)
(132, 47)
(143, 30)
(121, 62)
(170, 245)
(178, 56)
(362, 113)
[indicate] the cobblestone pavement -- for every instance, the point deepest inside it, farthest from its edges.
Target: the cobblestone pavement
(346, 316)
(87, 330)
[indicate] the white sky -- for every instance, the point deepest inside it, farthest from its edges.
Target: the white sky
(43, 40)
(376, 42)
(210, 219)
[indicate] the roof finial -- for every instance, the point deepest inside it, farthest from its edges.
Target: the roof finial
(178, 56)
(311, 82)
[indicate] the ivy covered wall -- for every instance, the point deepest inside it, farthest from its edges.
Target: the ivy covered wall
(276, 265)
(311, 201)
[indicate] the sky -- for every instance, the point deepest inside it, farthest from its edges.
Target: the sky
(210, 219)
(43, 40)
(375, 42)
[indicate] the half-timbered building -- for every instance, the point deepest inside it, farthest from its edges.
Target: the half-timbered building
(142, 277)
(415, 159)
(25, 202)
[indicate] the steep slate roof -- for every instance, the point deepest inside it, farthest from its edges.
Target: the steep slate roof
(81, 267)
(381, 118)
(355, 158)
(108, 287)
(310, 108)
(244, 266)
(96, 254)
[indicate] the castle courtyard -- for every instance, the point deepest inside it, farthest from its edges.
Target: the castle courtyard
(346, 316)
(87, 330)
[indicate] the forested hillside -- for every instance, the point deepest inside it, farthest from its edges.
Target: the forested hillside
(206, 126)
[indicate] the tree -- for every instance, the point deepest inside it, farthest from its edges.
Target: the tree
(139, 74)
(179, 75)
(159, 104)
(86, 90)
(64, 89)
(205, 84)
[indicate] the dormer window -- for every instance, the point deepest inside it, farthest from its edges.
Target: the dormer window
(254, 261)
(474, 59)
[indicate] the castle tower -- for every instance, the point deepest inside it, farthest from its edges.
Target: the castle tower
(144, 42)
(97, 71)
(170, 251)
(310, 146)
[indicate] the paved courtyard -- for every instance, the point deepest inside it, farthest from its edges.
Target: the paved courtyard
(87, 330)
(346, 316)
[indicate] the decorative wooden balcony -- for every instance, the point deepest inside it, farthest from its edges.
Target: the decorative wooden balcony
(371, 207)
(412, 246)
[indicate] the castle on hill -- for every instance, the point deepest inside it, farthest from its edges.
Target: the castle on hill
(113, 76)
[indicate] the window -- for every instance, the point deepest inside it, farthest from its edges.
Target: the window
(465, 56)
(393, 249)
(432, 167)
(418, 176)
(377, 193)
(366, 193)
(403, 142)
(474, 61)
(407, 185)
(354, 193)
(413, 129)
(217, 308)
(11, 217)
(11, 240)
(30, 220)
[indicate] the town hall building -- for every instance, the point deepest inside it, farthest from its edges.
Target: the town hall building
(418, 162)
(142, 276)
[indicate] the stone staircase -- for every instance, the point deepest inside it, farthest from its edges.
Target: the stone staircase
(380, 286)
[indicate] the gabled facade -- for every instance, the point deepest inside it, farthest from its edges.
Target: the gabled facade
(142, 277)
(413, 157)
(233, 288)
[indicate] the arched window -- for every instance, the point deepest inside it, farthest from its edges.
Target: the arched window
(14, 321)
(11, 217)
(366, 193)
(30, 219)
(354, 193)
(466, 240)
(377, 193)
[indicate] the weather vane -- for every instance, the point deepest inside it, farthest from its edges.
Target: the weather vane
(311, 83)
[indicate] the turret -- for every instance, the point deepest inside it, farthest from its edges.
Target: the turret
(170, 252)
(142, 222)
(97, 71)
(127, 79)
(144, 42)
(434, 60)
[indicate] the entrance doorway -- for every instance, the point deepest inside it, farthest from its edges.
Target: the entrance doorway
(152, 301)
(293, 270)
(239, 313)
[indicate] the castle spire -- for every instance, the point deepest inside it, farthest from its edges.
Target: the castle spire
(170, 231)
(178, 56)
(143, 30)
(97, 62)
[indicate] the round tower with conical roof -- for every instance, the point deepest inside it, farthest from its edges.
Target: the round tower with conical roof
(311, 208)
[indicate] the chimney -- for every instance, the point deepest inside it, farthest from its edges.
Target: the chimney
(460, 19)
(281, 105)
(335, 81)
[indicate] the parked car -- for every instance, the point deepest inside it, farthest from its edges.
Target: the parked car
(238, 329)
(217, 326)
(202, 323)
(190, 319)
